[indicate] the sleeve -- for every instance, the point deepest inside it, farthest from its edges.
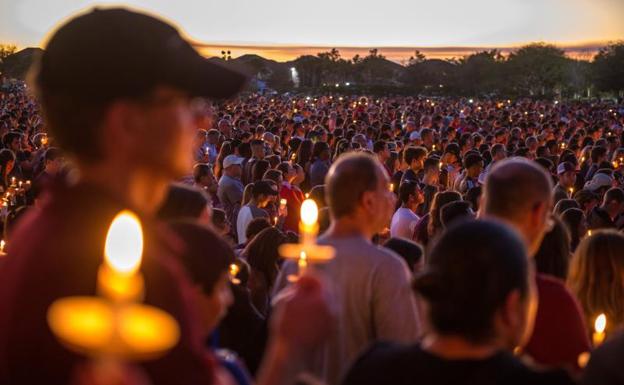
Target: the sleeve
(394, 306)
(242, 220)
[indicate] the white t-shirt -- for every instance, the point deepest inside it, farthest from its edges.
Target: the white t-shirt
(403, 223)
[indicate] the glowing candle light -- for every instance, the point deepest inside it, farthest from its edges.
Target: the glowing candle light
(571, 190)
(116, 327)
(308, 227)
(2, 245)
(392, 187)
(117, 277)
(234, 269)
(599, 329)
(307, 195)
(303, 262)
(589, 233)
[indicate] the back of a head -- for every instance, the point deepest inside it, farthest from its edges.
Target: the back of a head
(348, 179)
(183, 202)
(411, 252)
(256, 226)
(470, 271)
(513, 186)
(553, 256)
(262, 252)
(596, 275)
(614, 194)
(564, 205)
(455, 211)
(204, 269)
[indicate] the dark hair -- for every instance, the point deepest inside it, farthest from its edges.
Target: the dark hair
(565, 204)
(201, 170)
(262, 253)
(553, 256)
(573, 218)
(349, 177)
(614, 194)
(407, 189)
(411, 252)
(255, 226)
(411, 153)
(273, 175)
(182, 202)
(206, 255)
(471, 269)
(440, 199)
(454, 211)
(218, 218)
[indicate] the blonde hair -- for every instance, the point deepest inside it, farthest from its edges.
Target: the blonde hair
(596, 277)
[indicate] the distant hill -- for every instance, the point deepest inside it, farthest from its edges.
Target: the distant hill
(17, 65)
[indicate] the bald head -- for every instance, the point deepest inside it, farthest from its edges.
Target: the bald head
(514, 186)
(348, 179)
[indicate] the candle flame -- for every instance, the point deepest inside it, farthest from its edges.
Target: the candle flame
(124, 243)
(601, 323)
(309, 212)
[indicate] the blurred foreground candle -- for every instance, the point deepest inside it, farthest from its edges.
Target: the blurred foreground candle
(118, 277)
(114, 326)
(599, 330)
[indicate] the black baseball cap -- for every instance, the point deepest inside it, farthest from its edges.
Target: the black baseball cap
(113, 53)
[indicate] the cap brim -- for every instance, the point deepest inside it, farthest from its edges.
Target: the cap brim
(205, 78)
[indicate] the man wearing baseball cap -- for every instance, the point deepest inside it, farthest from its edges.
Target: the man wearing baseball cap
(566, 172)
(117, 89)
(230, 190)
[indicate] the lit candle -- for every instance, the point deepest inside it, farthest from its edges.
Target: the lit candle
(119, 278)
(234, 269)
(303, 262)
(571, 190)
(599, 329)
(2, 244)
(307, 195)
(308, 227)
(115, 327)
(283, 203)
(392, 187)
(589, 233)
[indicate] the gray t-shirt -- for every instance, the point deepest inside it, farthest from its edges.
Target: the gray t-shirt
(230, 193)
(371, 286)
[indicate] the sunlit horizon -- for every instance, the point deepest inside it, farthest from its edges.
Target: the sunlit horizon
(282, 30)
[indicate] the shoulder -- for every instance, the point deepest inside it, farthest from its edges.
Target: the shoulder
(383, 363)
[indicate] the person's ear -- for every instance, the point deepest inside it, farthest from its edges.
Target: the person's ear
(511, 319)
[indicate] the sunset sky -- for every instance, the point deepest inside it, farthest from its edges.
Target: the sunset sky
(282, 30)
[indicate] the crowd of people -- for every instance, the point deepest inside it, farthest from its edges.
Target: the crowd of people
(476, 241)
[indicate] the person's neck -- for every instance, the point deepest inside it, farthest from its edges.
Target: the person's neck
(142, 189)
(347, 226)
(457, 348)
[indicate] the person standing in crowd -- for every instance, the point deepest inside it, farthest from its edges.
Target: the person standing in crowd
(371, 284)
(405, 219)
(230, 189)
(489, 270)
(320, 164)
(293, 195)
(114, 126)
(564, 189)
(609, 214)
(519, 192)
(263, 192)
(414, 157)
(597, 278)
